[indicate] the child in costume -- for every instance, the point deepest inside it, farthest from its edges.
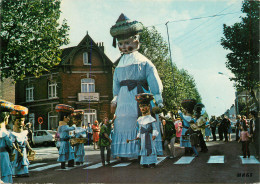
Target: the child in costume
(5, 142)
(147, 131)
(20, 142)
(134, 74)
(66, 153)
(79, 133)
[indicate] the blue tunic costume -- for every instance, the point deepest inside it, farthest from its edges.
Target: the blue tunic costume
(133, 68)
(79, 148)
(66, 152)
(5, 164)
(147, 128)
(21, 163)
(186, 125)
(207, 129)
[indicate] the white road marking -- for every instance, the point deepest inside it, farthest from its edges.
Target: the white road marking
(216, 160)
(122, 164)
(184, 160)
(46, 167)
(36, 164)
(251, 160)
(160, 159)
(98, 165)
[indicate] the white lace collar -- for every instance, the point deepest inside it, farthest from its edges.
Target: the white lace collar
(143, 120)
(25, 132)
(132, 58)
(3, 132)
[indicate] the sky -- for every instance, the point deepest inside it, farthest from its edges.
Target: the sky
(195, 43)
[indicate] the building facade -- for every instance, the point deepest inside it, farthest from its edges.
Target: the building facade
(7, 90)
(83, 80)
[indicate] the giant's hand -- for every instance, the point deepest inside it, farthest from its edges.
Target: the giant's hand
(160, 105)
(113, 108)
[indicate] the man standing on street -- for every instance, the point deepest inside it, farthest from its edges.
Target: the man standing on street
(213, 125)
(105, 141)
(225, 123)
(169, 135)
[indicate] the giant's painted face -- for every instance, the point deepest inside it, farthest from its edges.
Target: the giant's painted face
(19, 122)
(144, 108)
(128, 46)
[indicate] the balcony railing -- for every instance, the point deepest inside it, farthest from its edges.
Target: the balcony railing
(88, 97)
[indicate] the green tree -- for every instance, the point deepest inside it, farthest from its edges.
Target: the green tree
(30, 37)
(242, 40)
(156, 49)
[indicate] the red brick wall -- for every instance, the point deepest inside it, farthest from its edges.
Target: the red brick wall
(7, 90)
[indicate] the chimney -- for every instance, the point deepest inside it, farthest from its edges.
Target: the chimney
(101, 46)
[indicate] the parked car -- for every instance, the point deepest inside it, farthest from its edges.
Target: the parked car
(44, 137)
(233, 126)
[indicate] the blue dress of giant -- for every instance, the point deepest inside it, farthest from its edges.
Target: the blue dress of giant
(147, 129)
(66, 152)
(79, 148)
(136, 69)
(21, 163)
(5, 164)
(186, 120)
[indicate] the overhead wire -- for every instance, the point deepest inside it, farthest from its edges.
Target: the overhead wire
(187, 34)
(208, 35)
(197, 46)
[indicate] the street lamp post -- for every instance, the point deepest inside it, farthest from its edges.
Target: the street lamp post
(171, 61)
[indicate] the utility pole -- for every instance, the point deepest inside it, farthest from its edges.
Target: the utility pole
(171, 61)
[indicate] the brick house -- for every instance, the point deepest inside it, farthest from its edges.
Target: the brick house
(83, 80)
(7, 90)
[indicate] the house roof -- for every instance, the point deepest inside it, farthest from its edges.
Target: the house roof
(88, 42)
(65, 52)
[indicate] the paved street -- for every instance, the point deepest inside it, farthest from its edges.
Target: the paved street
(222, 164)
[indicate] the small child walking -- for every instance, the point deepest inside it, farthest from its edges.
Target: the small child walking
(244, 138)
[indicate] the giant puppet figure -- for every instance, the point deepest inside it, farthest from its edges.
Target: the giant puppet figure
(188, 106)
(20, 142)
(66, 153)
(5, 142)
(134, 74)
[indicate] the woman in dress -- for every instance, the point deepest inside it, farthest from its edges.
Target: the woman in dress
(207, 130)
(5, 142)
(20, 142)
(134, 74)
(96, 130)
(178, 128)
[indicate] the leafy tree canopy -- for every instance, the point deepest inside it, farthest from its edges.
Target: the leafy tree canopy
(242, 40)
(177, 84)
(30, 37)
